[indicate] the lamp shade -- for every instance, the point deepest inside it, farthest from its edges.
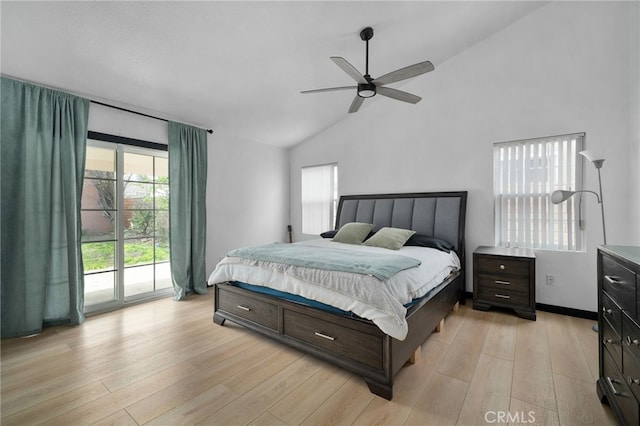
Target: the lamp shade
(560, 196)
(596, 159)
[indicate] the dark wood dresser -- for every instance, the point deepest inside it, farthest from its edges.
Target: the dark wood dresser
(618, 330)
(505, 277)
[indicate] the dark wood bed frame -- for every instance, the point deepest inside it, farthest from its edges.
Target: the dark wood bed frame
(350, 342)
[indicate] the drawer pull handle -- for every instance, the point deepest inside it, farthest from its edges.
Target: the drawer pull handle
(244, 308)
(611, 382)
(613, 280)
(324, 336)
(605, 341)
(502, 282)
(633, 381)
(502, 296)
(606, 311)
(632, 342)
(502, 266)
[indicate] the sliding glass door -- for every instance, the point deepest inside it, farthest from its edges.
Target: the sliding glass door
(125, 225)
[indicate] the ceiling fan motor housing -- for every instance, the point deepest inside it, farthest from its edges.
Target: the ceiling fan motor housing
(366, 90)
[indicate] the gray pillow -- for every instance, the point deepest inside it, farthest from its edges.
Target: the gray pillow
(353, 233)
(389, 238)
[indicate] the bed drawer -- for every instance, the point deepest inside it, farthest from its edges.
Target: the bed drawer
(350, 343)
(249, 308)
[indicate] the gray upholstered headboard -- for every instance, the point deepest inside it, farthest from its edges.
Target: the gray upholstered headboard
(438, 214)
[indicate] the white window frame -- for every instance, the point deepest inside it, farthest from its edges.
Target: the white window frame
(526, 172)
(319, 195)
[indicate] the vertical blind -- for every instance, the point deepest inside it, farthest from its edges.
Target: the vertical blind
(526, 172)
(319, 198)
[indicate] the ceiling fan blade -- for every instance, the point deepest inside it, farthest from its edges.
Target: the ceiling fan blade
(404, 73)
(355, 105)
(398, 94)
(330, 89)
(349, 69)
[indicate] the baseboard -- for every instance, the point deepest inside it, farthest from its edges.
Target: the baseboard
(562, 310)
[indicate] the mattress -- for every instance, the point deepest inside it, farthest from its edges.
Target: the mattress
(381, 301)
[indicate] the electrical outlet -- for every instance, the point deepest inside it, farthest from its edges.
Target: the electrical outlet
(551, 279)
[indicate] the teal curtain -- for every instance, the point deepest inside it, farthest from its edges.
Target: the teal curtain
(44, 136)
(187, 208)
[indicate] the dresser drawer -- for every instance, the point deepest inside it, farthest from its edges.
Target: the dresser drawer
(249, 308)
(617, 387)
(501, 266)
(350, 343)
(611, 313)
(613, 343)
(631, 371)
(620, 283)
(631, 335)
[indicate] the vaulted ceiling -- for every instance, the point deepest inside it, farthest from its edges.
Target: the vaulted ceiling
(237, 67)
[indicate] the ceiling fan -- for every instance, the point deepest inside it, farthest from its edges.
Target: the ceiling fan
(368, 87)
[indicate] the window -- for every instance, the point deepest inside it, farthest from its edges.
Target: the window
(319, 198)
(526, 172)
(125, 224)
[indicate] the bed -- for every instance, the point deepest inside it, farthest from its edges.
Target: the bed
(343, 338)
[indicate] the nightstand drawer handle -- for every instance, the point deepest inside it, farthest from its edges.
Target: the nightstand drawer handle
(611, 382)
(633, 381)
(605, 340)
(632, 342)
(613, 280)
(606, 311)
(502, 296)
(244, 308)
(324, 336)
(502, 266)
(502, 282)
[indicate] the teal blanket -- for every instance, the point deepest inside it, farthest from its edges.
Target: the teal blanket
(381, 266)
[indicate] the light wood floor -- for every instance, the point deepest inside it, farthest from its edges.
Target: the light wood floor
(166, 363)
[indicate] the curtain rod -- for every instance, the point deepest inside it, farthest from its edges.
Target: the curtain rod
(135, 112)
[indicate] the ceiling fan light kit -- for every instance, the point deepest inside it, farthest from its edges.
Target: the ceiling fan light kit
(368, 87)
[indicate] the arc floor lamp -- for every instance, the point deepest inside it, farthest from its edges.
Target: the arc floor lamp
(561, 196)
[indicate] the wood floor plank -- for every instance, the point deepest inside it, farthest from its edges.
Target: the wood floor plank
(532, 373)
(490, 390)
(166, 363)
(578, 403)
(440, 402)
(344, 406)
(409, 384)
(463, 353)
(252, 404)
(501, 337)
(295, 407)
(566, 359)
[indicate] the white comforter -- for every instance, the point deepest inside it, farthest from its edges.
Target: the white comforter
(366, 296)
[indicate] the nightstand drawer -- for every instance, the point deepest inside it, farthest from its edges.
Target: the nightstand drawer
(492, 265)
(513, 284)
(504, 297)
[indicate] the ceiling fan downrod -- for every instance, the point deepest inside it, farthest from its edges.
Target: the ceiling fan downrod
(366, 35)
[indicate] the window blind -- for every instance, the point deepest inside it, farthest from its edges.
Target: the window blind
(526, 172)
(319, 198)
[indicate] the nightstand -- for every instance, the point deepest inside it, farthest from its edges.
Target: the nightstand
(505, 277)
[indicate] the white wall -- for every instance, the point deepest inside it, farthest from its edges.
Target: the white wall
(565, 68)
(247, 196)
(247, 183)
